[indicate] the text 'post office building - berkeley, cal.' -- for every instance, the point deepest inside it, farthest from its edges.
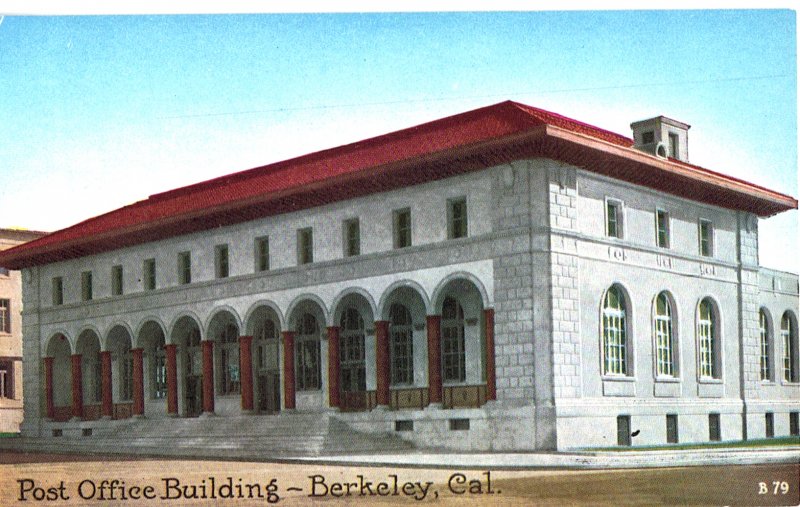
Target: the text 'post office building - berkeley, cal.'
(505, 278)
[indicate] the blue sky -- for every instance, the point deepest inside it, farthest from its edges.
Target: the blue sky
(101, 111)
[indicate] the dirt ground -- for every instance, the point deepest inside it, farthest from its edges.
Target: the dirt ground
(47, 479)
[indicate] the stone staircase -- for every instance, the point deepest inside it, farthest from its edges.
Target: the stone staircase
(254, 437)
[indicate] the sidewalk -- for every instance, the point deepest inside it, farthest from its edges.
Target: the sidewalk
(573, 460)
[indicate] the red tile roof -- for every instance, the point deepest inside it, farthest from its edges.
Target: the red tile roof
(476, 139)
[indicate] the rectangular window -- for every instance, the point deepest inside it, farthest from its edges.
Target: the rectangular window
(769, 424)
(185, 268)
(221, 265)
(706, 238)
(262, 254)
(402, 228)
(149, 270)
(662, 228)
(58, 291)
(674, 146)
(648, 137)
(86, 286)
(116, 280)
(624, 430)
(794, 423)
(5, 316)
(4, 271)
(352, 237)
(457, 218)
(613, 219)
(672, 429)
(7, 380)
(714, 433)
(305, 246)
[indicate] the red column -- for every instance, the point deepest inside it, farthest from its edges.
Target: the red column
(334, 364)
(491, 377)
(208, 376)
(434, 324)
(77, 386)
(48, 387)
(107, 401)
(138, 381)
(382, 361)
(246, 371)
(172, 378)
(288, 369)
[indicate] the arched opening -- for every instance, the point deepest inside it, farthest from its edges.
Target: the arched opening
(463, 352)
(60, 381)
(263, 325)
(708, 340)
(615, 343)
(119, 344)
(152, 341)
(186, 335)
(765, 345)
(791, 368)
(356, 370)
(405, 310)
(664, 328)
(307, 323)
(224, 331)
(88, 347)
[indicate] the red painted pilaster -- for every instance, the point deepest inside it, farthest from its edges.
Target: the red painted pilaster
(288, 369)
(246, 371)
(491, 376)
(434, 324)
(334, 364)
(208, 376)
(382, 361)
(107, 403)
(138, 381)
(48, 387)
(77, 386)
(171, 352)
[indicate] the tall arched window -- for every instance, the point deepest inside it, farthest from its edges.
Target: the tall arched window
(708, 340)
(229, 359)
(453, 355)
(351, 352)
(789, 339)
(665, 345)
(615, 353)
(307, 354)
(765, 345)
(402, 346)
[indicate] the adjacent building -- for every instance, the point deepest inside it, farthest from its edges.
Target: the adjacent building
(11, 334)
(502, 279)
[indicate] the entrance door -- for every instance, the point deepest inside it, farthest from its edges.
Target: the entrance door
(353, 382)
(268, 378)
(269, 392)
(194, 376)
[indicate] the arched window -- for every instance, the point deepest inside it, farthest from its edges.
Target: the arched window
(453, 355)
(615, 345)
(765, 345)
(351, 352)
(229, 359)
(708, 340)
(307, 354)
(665, 345)
(402, 346)
(789, 339)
